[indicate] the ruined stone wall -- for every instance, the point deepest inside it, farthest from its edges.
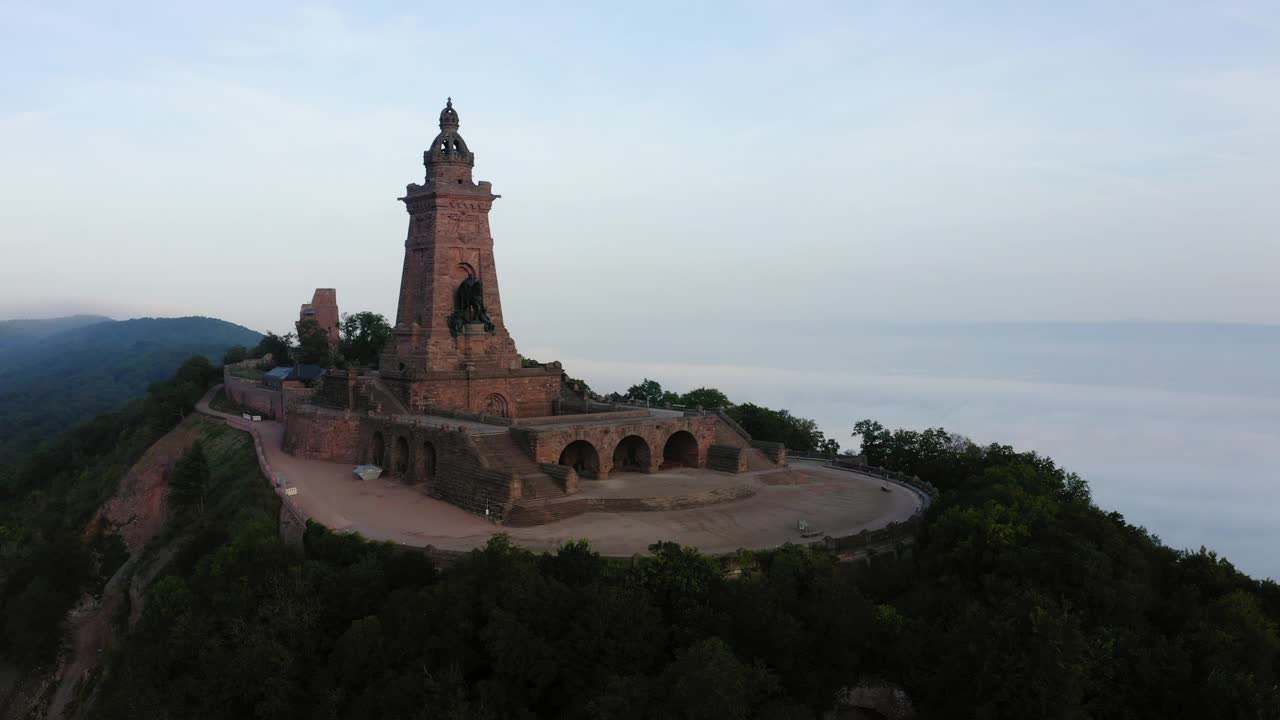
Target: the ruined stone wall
(323, 309)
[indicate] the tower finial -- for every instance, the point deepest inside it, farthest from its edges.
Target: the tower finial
(449, 116)
(448, 147)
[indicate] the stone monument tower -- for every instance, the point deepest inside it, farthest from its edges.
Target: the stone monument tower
(450, 347)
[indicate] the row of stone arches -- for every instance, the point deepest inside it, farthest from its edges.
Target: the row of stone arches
(631, 454)
(398, 461)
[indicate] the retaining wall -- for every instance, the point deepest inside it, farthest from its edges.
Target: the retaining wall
(293, 519)
(895, 539)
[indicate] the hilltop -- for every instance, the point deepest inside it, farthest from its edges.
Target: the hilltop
(20, 333)
(54, 373)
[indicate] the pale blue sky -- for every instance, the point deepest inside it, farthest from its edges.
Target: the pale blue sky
(685, 162)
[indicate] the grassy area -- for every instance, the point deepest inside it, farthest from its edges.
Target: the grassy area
(223, 403)
(235, 476)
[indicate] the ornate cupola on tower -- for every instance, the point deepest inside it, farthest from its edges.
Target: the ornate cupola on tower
(450, 347)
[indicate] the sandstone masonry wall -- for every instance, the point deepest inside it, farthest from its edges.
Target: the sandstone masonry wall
(775, 451)
(273, 404)
(516, 394)
(445, 461)
(547, 445)
(322, 434)
(253, 395)
(726, 458)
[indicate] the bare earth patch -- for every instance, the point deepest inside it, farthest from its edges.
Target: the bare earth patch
(137, 512)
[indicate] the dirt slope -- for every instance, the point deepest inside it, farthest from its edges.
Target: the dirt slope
(137, 511)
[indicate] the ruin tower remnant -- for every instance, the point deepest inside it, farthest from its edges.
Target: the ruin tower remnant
(323, 309)
(449, 324)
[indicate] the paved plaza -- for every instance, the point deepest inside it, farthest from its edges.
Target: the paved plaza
(837, 502)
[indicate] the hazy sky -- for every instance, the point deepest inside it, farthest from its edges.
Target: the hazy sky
(735, 194)
(738, 165)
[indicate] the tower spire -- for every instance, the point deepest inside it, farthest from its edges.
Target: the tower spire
(448, 147)
(449, 116)
(450, 346)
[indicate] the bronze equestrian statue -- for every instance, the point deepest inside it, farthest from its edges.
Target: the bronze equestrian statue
(469, 307)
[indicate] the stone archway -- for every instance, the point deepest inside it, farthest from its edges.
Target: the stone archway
(378, 450)
(583, 458)
(632, 455)
(495, 404)
(400, 458)
(681, 450)
(427, 464)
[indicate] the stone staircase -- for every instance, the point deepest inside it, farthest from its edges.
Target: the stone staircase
(379, 396)
(539, 486)
(753, 457)
(501, 452)
(525, 514)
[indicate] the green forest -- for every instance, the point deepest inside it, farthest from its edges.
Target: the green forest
(48, 555)
(55, 373)
(1024, 600)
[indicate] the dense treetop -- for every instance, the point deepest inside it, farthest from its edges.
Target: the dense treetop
(760, 422)
(50, 383)
(1025, 601)
(50, 493)
(364, 335)
(1020, 599)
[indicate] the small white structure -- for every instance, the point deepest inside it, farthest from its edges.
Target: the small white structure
(367, 472)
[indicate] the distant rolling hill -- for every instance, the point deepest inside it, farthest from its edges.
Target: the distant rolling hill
(18, 334)
(53, 378)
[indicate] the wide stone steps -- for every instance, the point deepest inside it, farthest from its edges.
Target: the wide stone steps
(380, 396)
(528, 513)
(753, 457)
(539, 486)
(757, 460)
(502, 453)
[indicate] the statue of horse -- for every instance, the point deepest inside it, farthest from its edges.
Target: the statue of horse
(469, 307)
